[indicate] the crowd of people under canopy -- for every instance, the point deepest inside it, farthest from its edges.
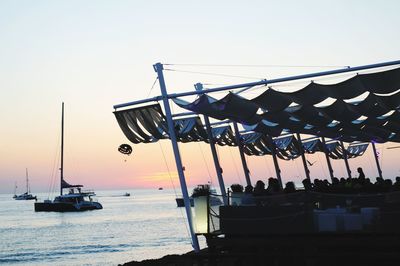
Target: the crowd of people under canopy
(360, 184)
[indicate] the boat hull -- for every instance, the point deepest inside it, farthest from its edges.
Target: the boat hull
(25, 198)
(65, 207)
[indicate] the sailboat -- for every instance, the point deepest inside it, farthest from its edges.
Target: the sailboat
(27, 195)
(76, 199)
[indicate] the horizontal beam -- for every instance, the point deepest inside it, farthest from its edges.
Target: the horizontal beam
(154, 99)
(285, 79)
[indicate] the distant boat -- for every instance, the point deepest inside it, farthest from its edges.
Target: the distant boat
(27, 195)
(160, 188)
(127, 194)
(76, 199)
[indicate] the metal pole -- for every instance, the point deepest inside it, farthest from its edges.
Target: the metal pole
(346, 161)
(217, 165)
(242, 155)
(276, 164)
(159, 69)
(303, 156)
(328, 161)
(27, 182)
(266, 82)
(62, 150)
(377, 160)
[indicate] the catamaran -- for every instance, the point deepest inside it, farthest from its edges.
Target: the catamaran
(76, 199)
(27, 195)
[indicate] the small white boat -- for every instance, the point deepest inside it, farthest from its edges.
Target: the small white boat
(27, 195)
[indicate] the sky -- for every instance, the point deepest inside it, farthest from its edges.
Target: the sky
(93, 54)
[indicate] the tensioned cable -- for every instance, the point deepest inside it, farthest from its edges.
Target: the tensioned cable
(173, 186)
(53, 172)
(152, 86)
(166, 165)
(205, 162)
(380, 156)
(212, 74)
(238, 65)
(236, 169)
(370, 165)
(324, 170)
(297, 168)
(343, 168)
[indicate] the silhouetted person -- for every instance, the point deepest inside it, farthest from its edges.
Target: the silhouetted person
(273, 186)
(259, 192)
(396, 185)
(259, 189)
(361, 174)
(289, 187)
(335, 187)
(248, 189)
(307, 184)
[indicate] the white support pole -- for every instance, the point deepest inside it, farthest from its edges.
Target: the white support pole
(217, 165)
(328, 161)
(159, 69)
(346, 161)
(242, 155)
(376, 160)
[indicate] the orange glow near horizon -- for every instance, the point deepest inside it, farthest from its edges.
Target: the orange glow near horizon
(146, 167)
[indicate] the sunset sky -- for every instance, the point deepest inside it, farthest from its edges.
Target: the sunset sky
(93, 54)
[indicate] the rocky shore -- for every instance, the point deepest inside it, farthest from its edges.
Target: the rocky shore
(333, 250)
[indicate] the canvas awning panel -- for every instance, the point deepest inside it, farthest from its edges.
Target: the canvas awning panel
(148, 124)
(232, 106)
(355, 150)
(223, 136)
(312, 146)
(288, 147)
(190, 129)
(335, 150)
(255, 144)
(143, 124)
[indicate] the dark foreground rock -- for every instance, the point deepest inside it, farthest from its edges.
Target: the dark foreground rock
(310, 250)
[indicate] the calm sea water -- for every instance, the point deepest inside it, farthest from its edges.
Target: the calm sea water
(146, 225)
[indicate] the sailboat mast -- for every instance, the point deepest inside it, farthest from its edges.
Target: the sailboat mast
(27, 182)
(62, 149)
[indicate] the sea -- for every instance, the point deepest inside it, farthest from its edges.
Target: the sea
(146, 225)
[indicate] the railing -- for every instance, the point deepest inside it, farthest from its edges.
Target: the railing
(299, 212)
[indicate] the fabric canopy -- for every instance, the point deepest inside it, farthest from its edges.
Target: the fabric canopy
(147, 124)
(374, 118)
